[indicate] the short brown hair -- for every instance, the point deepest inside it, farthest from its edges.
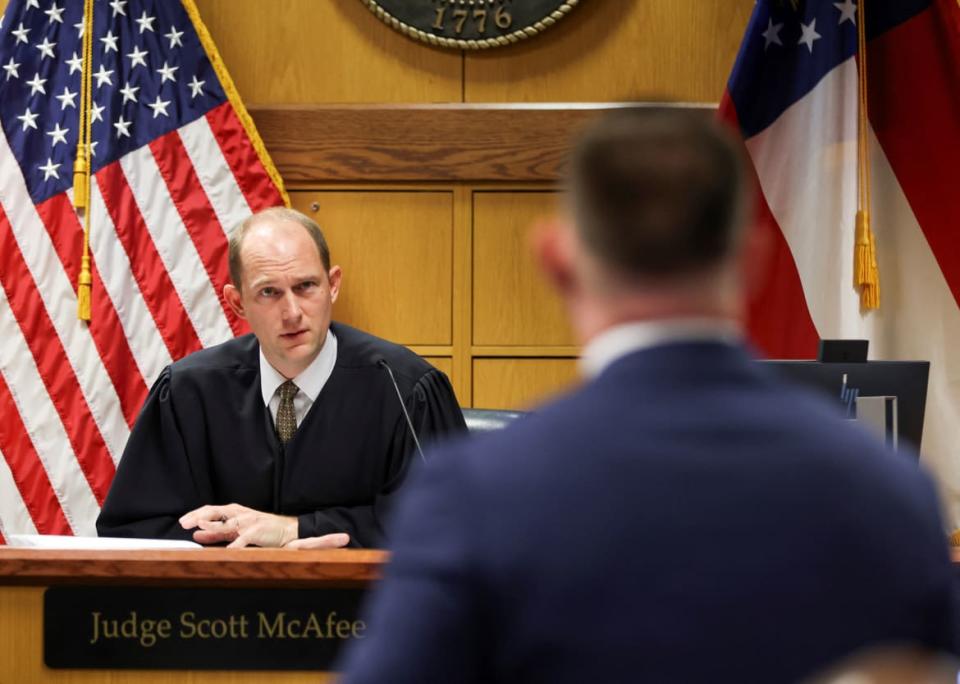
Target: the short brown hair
(658, 191)
(235, 243)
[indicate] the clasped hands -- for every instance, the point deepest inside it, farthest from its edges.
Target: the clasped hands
(242, 526)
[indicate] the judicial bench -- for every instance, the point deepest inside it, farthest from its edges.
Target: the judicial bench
(182, 613)
(113, 604)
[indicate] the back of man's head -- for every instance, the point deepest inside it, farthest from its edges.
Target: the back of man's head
(658, 192)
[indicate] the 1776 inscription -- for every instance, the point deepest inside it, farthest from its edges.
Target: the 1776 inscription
(471, 24)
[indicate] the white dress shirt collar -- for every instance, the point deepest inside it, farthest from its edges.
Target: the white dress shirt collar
(618, 341)
(310, 381)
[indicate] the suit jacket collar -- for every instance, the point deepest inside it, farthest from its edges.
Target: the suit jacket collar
(622, 340)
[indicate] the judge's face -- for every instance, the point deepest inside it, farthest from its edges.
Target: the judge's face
(286, 294)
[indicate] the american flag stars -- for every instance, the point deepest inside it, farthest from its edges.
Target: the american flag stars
(123, 127)
(145, 23)
(196, 87)
(149, 72)
(50, 169)
(129, 93)
(55, 13)
(59, 135)
(137, 57)
(66, 98)
(46, 48)
(103, 76)
(12, 69)
(109, 42)
(175, 37)
(75, 63)
(29, 119)
(21, 33)
(159, 107)
(36, 85)
(167, 73)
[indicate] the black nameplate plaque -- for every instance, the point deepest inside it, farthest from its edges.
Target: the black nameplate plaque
(198, 629)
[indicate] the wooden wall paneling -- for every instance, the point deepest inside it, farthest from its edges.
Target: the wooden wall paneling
(614, 50)
(396, 251)
(512, 303)
(441, 363)
(520, 383)
(462, 377)
(302, 51)
(427, 143)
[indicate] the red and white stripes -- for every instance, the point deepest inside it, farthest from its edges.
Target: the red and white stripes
(69, 392)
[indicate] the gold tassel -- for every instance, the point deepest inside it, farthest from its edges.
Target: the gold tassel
(865, 272)
(81, 179)
(84, 281)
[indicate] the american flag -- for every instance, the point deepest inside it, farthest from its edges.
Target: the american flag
(793, 94)
(176, 163)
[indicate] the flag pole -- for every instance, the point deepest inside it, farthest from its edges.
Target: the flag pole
(81, 168)
(866, 275)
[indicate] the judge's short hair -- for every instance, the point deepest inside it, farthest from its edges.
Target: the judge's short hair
(278, 214)
(658, 191)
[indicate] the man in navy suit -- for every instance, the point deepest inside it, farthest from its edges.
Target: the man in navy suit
(683, 516)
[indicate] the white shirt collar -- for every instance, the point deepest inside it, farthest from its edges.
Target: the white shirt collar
(310, 381)
(620, 340)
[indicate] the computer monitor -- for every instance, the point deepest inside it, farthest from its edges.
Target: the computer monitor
(843, 351)
(906, 380)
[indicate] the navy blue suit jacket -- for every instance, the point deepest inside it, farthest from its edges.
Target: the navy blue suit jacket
(682, 518)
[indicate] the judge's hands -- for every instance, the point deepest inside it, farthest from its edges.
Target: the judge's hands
(327, 541)
(239, 525)
(242, 526)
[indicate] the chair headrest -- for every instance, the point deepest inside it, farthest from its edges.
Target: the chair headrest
(487, 420)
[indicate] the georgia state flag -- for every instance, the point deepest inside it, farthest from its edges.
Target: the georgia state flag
(794, 97)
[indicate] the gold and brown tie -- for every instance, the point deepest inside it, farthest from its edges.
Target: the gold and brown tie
(286, 417)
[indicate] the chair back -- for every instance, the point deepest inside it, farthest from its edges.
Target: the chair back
(480, 421)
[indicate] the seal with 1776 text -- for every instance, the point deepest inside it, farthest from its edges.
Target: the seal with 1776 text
(471, 24)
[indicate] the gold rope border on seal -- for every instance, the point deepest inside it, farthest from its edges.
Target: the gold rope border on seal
(485, 43)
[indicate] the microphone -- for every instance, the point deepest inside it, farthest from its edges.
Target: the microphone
(403, 407)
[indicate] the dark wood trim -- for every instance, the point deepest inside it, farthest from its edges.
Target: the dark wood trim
(448, 142)
(202, 567)
(207, 567)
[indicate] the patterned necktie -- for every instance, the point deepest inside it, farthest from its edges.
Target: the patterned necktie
(286, 417)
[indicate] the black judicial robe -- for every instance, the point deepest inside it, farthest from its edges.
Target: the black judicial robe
(204, 436)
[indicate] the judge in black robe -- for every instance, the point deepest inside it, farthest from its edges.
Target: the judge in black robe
(205, 436)
(205, 459)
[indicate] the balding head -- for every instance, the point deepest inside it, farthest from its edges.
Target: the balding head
(272, 215)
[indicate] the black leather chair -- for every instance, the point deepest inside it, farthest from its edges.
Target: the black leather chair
(480, 421)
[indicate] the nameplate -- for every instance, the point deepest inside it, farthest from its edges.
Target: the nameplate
(198, 629)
